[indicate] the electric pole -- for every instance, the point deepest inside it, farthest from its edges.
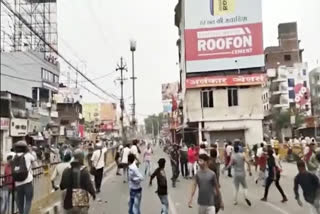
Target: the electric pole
(122, 67)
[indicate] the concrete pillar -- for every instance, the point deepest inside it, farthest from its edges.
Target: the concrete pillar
(200, 132)
(38, 97)
(50, 96)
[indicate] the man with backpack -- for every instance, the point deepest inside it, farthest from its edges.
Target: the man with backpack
(76, 180)
(22, 175)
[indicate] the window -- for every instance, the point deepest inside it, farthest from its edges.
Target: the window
(232, 96)
(304, 71)
(305, 84)
(291, 82)
(307, 108)
(207, 99)
(287, 57)
(292, 94)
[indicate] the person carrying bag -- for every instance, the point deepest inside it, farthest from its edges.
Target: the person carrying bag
(77, 200)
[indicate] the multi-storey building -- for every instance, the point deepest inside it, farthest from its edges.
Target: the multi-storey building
(222, 70)
(314, 76)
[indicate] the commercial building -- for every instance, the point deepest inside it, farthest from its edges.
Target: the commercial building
(287, 88)
(222, 69)
(28, 83)
(314, 77)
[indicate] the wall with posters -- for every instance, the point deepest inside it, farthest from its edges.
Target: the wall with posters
(223, 35)
(108, 111)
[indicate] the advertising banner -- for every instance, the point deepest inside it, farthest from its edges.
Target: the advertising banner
(223, 35)
(302, 94)
(108, 111)
(91, 111)
(232, 80)
(68, 95)
(170, 90)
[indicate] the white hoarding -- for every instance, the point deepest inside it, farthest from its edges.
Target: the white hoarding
(223, 34)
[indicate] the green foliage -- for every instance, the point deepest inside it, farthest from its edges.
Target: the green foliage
(154, 123)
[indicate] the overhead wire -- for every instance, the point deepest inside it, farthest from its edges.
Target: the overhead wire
(54, 50)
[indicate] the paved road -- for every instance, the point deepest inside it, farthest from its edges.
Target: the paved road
(114, 196)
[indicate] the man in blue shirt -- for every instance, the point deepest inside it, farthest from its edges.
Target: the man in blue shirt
(135, 179)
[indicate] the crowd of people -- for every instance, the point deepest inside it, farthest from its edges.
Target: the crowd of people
(80, 172)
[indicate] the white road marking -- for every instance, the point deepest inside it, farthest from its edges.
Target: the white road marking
(276, 208)
(172, 206)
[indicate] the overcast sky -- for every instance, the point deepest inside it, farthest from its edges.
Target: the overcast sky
(98, 32)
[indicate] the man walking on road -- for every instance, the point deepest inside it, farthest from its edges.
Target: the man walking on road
(23, 177)
(98, 159)
(237, 161)
(174, 156)
(78, 185)
(184, 160)
(135, 179)
(162, 185)
(310, 186)
(209, 197)
(273, 175)
(124, 162)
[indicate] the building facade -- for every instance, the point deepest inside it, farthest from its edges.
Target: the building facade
(221, 78)
(314, 77)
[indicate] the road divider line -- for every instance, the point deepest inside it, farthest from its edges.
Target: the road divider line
(172, 206)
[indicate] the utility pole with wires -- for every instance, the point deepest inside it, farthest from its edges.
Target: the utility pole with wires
(122, 67)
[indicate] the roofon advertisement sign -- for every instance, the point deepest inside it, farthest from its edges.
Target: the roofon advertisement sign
(223, 34)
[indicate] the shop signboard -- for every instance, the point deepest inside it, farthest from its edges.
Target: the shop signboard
(4, 123)
(18, 127)
(231, 80)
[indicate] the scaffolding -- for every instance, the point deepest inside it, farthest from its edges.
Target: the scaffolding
(41, 15)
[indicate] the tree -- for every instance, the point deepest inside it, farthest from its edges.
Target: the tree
(154, 123)
(282, 120)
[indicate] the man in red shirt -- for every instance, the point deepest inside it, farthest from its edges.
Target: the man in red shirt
(262, 163)
(191, 161)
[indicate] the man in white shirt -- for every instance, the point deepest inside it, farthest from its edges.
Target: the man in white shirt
(260, 150)
(136, 151)
(124, 162)
(24, 189)
(98, 159)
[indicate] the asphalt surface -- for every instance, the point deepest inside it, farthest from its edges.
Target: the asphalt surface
(114, 195)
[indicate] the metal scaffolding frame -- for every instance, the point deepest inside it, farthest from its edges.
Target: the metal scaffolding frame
(41, 15)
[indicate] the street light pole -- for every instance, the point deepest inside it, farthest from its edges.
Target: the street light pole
(122, 67)
(133, 45)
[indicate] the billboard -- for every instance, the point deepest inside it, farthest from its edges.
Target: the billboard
(170, 90)
(223, 35)
(108, 111)
(67, 95)
(232, 80)
(91, 112)
(302, 94)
